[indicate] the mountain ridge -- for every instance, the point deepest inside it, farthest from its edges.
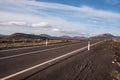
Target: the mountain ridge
(46, 36)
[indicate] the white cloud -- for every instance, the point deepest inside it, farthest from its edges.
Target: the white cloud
(83, 10)
(68, 32)
(55, 29)
(24, 24)
(41, 25)
(16, 23)
(32, 11)
(13, 23)
(32, 5)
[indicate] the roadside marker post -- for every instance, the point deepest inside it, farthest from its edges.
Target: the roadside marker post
(88, 45)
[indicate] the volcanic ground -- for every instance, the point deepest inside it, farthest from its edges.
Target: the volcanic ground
(102, 62)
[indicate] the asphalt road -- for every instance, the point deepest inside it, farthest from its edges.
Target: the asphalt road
(16, 64)
(99, 63)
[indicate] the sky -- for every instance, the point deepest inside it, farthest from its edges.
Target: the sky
(60, 17)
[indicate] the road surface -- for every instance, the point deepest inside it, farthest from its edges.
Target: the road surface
(17, 64)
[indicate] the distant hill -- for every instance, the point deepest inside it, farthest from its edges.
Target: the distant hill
(2, 36)
(103, 36)
(65, 37)
(25, 36)
(61, 37)
(75, 37)
(117, 37)
(79, 37)
(46, 36)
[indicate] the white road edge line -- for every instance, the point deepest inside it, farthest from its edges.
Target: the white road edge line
(46, 62)
(32, 52)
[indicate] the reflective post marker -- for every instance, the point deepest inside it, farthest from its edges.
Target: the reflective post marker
(88, 45)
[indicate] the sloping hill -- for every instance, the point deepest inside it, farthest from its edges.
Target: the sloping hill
(103, 36)
(24, 36)
(48, 36)
(2, 36)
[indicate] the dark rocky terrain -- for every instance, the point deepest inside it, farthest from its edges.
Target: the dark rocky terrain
(102, 62)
